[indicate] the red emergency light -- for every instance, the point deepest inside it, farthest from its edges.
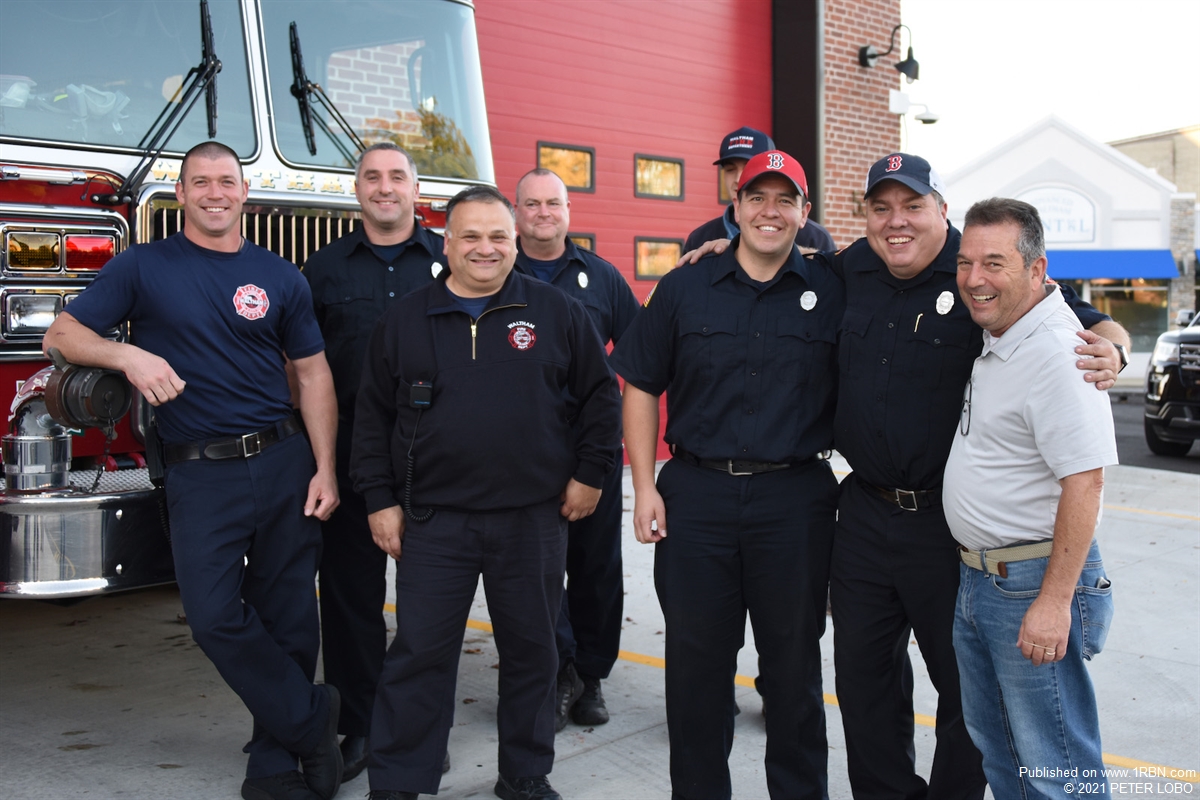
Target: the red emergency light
(88, 253)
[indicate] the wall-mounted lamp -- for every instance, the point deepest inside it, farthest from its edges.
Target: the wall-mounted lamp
(898, 103)
(909, 68)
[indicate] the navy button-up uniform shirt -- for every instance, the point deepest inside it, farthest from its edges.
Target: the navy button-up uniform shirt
(352, 285)
(750, 372)
(597, 284)
(906, 350)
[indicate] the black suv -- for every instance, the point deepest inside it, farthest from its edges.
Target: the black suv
(1173, 390)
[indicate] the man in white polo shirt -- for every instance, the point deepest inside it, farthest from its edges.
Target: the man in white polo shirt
(1023, 488)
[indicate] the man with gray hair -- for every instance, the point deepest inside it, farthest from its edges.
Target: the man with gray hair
(353, 280)
(1022, 496)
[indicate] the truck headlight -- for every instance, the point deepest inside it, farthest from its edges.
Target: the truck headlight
(30, 314)
(1165, 353)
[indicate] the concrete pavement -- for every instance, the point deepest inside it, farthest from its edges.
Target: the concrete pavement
(110, 698)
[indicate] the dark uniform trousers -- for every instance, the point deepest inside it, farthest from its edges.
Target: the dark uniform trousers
(521, 554)
(353, 591)
(895, 573)
(256, 619)
(589, 627)
(758, 543)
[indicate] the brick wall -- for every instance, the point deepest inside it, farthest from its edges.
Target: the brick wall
(370, 86)
(858, 128)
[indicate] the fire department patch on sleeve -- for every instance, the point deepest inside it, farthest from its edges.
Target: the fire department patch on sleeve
(521, 335)
(251, 302)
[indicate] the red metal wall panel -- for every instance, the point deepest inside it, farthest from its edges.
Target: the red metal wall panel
(667, 78)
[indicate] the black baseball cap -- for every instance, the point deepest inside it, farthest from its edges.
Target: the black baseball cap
(913, 171)
(744, 143)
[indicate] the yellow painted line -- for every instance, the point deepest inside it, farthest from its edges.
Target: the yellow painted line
(1148, 770)
(1133, 510)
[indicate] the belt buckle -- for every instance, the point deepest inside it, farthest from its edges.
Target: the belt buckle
(729, 469)
(901, 494)
(250, 445)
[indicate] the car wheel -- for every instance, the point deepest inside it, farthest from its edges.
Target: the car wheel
(1161, 447)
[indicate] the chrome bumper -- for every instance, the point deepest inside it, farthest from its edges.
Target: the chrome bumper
(75, 543)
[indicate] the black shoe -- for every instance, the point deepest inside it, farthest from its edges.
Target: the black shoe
(356, 751)
(536, 788)
(388, 794)
(590, 708)
(280, 786)
(570, 689)
(446, 763)
(323, 766)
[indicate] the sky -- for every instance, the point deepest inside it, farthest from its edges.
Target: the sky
(990, 69)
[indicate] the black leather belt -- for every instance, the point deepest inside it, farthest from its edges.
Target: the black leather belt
(251, 444)
(735, 466)
(907, 499)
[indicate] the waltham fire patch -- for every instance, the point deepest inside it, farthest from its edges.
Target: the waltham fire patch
(521, 335)
(251, 302)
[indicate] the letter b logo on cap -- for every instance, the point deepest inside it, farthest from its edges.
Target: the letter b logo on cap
(775, 161)
(894, 163)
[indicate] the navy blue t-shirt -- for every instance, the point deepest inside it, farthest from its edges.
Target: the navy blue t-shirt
(223, 321)
(545, 270)
(474, 306)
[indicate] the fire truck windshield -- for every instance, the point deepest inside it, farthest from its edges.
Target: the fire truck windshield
(401, 72)
(98, 72)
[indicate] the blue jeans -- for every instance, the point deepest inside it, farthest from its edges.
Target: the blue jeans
(1037, 727)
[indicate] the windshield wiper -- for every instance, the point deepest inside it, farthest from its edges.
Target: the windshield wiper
(199, 79)
(302, 89)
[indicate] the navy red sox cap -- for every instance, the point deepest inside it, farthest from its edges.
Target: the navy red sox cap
(744, 143)
(779, 163)
(913, 171)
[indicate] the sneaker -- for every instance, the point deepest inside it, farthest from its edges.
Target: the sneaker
(280, 786)
(590, 708)
(536, 788)
(570, 689)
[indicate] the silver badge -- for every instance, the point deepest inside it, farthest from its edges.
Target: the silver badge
(808, 300)
(435, 269)
(945, 302)
(582, 281)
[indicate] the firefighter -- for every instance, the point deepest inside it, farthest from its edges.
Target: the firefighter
(737, 148)
(212, 319)
(353, 280)
(467, 460)
(589, 627)
(742, 517)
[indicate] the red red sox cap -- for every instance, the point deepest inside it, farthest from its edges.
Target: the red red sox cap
(775, 162)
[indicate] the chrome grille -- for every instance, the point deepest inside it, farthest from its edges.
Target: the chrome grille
(1189, 356)
(290, 232)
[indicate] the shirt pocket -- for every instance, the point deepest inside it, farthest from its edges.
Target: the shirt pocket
(710, 342)
(940, 352)
(805, 348)
(600, 315)
(348, 314)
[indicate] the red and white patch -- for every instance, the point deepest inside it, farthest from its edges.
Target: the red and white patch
(251, 302)
(894, 163)
(521, 335)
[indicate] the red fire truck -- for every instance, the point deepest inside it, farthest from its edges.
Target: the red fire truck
(98, 101)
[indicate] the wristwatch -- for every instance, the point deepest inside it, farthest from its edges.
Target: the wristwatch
(1124, 357)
